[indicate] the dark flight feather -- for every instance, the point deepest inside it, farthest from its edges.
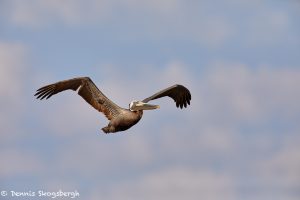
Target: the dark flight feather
(180, 94)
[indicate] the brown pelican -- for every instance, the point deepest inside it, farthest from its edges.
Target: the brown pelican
(120, 119)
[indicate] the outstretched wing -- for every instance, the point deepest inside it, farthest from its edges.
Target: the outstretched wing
(87, 90)
(180, 94)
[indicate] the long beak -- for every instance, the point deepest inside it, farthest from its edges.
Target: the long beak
(146, 106)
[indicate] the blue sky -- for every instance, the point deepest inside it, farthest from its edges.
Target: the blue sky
(239, 139)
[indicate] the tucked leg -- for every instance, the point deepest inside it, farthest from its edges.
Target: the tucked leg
(109, 129)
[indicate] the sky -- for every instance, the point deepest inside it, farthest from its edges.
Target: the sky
(239, 138)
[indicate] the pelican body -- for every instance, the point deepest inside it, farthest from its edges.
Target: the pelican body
(121, 119)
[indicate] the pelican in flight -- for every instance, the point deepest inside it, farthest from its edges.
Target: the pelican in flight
(121, 119)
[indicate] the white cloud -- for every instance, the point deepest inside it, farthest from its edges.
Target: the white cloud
(12, 76)
(105, 154)
(146, 19)
(17, 163)
(36, 13)
(283, 165)
(199, 22)
(244, 94)
(12, 56)
(67, 114)
(162, 7)
(175, 72)
(173, 183)
(268, 27)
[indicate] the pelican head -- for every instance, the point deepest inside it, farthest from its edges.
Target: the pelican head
(139, 105)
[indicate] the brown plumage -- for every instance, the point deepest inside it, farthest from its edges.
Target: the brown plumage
(120, 119)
